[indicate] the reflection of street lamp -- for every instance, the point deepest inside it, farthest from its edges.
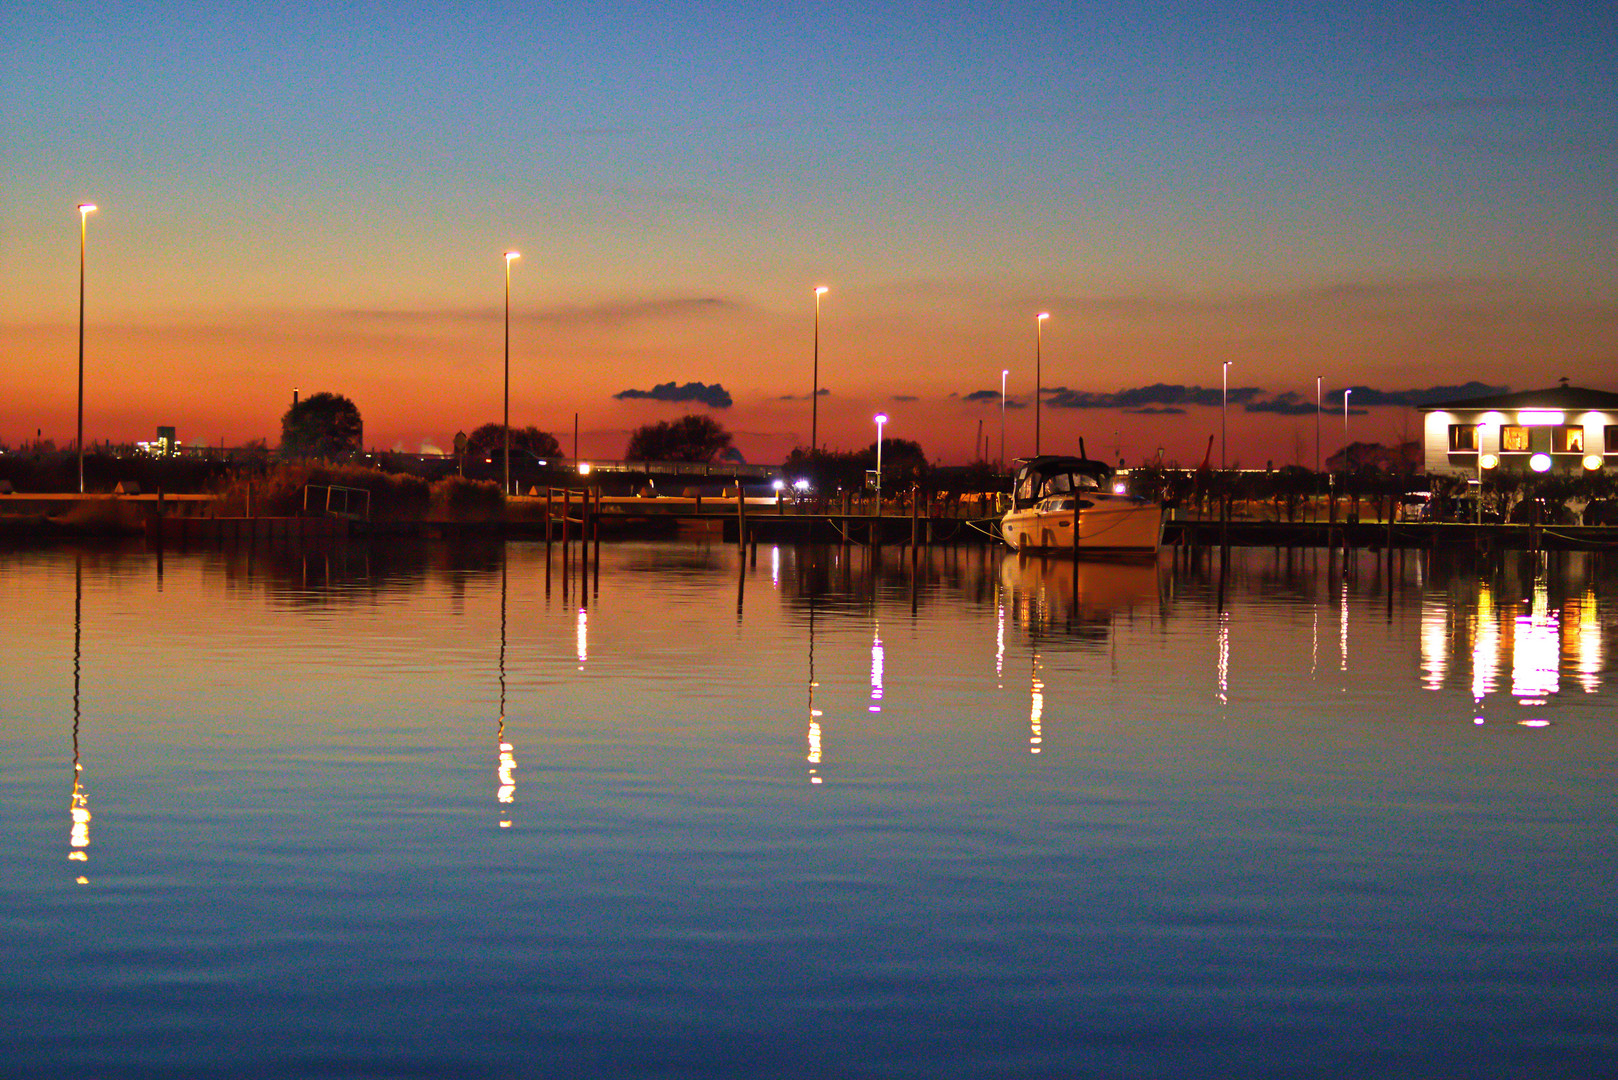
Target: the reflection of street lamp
(511, 256)
(1039, 340)
(85, 210)
(814, 393)
(1003, 373)
(1224, 402)
(881, 418)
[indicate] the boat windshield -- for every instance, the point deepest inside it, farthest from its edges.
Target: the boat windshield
(1062, 483)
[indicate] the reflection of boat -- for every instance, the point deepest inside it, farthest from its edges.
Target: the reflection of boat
(1052, 493)
(1054, 590)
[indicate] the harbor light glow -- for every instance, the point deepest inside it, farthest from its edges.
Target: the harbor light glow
(1540, 463)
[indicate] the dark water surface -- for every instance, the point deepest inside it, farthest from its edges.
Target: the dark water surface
(413, 812)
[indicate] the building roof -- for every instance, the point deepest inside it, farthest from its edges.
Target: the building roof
(1565, 398)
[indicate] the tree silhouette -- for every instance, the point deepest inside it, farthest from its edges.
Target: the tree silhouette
(322, 425)
(488, 441)
(690, 438)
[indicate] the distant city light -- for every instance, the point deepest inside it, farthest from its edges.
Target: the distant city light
(584, 468)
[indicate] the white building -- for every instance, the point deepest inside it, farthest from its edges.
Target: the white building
(1563, 430)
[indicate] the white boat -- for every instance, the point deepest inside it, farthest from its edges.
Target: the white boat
(1068, 505)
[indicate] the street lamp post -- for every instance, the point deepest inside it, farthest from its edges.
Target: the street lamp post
(1003, 373)
(881, 418)
(1039, 341)
(85, 210)
(814, 393)
(505, 469)
(1318, 385)
(1224, 409)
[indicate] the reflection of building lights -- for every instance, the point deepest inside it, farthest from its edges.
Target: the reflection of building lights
(1540, 462)
(581, 637)
(1434, 642)
(1536, 651)
(1581, 641)
(1534, 723)
(775, 566)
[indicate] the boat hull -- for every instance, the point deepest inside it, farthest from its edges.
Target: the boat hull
(1107, 528)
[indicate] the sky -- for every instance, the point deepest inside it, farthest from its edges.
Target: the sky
(1402, 199)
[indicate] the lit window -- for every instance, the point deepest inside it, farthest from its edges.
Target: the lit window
(1463, 438)
(1567, 440)
(1514, 439)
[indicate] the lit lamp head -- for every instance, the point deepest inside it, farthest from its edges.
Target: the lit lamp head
(1593, 461)
(1042, 316)
(881, 418)
(512, 256)
(1540, 463)
(1488, 461)
(822, 290)
(86, 208)
(584, 468)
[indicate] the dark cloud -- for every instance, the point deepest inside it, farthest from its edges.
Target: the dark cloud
(1168, 399)
(905, 397)
(982, 395)
(715, 396)
(1158, 394)
(1287, 404)
(822, 392)
(1370, 396)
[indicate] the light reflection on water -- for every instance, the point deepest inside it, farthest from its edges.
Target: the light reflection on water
(1038, 820)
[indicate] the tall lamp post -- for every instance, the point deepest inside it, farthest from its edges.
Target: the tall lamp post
(505, 468)
(1224, 408)
(814, 393)
(881, 418)
(85, 210)
(1039, 341)
(1003, 373)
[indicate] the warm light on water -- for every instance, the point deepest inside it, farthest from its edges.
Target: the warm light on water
(417, 811)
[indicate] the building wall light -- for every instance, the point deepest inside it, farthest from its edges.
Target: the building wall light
(1593, 461)
(1488, 461)
(1540, 462)
(1540, 417)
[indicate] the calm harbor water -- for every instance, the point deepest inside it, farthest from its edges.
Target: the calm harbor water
(414, 811)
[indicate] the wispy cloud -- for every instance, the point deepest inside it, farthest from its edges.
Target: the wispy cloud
(715, 396)
(619, 312)
(823, 392)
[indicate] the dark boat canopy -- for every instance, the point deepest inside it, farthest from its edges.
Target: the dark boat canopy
(1057, 474)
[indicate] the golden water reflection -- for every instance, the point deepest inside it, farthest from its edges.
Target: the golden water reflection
(1515, 638)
